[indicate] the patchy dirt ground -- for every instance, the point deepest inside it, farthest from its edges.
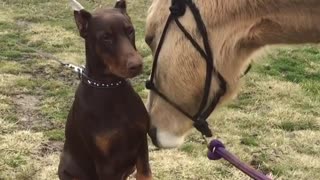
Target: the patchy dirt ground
(27, 109)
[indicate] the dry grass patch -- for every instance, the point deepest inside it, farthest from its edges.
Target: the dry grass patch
(17, 151)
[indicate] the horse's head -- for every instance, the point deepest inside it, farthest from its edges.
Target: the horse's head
(181, 70)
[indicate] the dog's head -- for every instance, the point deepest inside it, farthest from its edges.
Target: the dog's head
(110, 40)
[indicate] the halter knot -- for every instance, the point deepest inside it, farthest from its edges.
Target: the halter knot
(213, 146)
(203, 127)
(178, 8)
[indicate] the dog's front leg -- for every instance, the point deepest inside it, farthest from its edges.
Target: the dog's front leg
(143, 166)
(68, 169)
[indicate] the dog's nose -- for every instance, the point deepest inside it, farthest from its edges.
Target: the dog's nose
(135, 67)
(153, 135)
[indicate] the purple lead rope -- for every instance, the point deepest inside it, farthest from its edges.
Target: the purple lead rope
(217, 151)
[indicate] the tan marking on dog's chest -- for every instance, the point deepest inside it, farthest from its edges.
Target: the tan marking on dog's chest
(103, 141)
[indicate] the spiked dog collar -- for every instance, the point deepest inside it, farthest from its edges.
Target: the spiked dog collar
(95, 83)
(101, 84)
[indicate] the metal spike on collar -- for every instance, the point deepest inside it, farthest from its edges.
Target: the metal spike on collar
(103, 85)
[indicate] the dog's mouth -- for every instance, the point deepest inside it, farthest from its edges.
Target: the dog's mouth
(128, 75)
(125, 71)
(132, 74)
(134, 70)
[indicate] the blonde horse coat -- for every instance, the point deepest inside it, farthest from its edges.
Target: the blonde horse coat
(237, 29)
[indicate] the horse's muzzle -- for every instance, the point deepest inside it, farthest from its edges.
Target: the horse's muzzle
(153, 135)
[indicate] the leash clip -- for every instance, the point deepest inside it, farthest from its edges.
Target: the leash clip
(76, 69)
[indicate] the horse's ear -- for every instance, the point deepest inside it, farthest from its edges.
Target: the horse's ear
(122, 5)
(82, 18)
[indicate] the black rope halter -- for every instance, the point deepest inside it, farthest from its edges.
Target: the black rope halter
(177, 10)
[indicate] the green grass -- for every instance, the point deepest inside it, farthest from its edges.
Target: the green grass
(296, 65)
(299, 126)
(249, 140)
(55, 135)
(274, 124)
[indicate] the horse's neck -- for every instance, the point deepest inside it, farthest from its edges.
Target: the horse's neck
(270, 21)
(241, 27)
(263, 21)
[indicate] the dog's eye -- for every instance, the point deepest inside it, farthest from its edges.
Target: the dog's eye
(107, 39)
(130, 31)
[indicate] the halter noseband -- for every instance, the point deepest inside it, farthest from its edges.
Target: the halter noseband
(177, 10)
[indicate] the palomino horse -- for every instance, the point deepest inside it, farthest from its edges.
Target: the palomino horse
(236, 29)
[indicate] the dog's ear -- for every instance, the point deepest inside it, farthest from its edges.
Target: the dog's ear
(82, 19)
(81, 16)
(122, 5)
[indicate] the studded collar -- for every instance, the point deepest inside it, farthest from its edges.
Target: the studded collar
(95, 83)
(101, 84)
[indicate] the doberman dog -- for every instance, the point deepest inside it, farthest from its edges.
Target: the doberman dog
(106, 129)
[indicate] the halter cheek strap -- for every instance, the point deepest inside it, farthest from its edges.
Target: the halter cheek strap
(177, 10)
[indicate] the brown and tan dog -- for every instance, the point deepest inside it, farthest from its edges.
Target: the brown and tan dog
(106, 130)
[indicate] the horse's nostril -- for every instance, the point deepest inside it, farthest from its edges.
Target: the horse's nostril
(153, 135)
